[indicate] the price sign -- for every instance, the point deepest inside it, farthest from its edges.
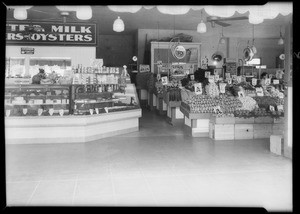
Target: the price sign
(280, 107)
(164, 80)
(233, 77)
(198, 88)
(275, 82)
(254, 81)
(272, 108)
(239, 79)
(227, 75)
(158, 77)
(192, 77)
(281, 95)
(207, 74)
(268, 81)
(211, 79)
(216, 77)
(259, 92)
(229, 81)
(222, 87)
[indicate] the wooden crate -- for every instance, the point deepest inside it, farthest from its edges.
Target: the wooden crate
(278, 129)
(224, 131)
(262, 131)
(241, 120)
(263, 120)
(279, 120)
(243, 131)
(223, 120)
(276, 144)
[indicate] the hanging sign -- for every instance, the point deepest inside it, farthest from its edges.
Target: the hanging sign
(198, 88)
(259, 92)
(50, 33)
(272, 108)
(222, 87)
(267, 81)
(207, 74)
(280, 108)
(229, 81)
(27, 50)
(164, 80)
(254, 81)
(275, 82)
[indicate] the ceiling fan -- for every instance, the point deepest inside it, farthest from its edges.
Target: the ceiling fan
(221, 21)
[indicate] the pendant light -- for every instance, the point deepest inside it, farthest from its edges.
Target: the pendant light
(118, 25)
(280, 41)
(84, 12)
(20, 14)
(201, 28)
(222, 39)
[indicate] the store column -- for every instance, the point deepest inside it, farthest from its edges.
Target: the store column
(288, 104)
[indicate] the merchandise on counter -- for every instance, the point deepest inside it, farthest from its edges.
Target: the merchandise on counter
(212, 89)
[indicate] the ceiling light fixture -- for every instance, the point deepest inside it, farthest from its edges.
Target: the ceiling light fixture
(118, 25)
(280, 41)
(84, 12)
(222, 39)
(20, 14)
(201, 28)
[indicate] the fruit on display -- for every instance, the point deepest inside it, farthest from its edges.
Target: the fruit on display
(258, 112)
(207, 104)
(243, 113)
(248, 103)
(266, 101)
(212, 90)
(190, 85)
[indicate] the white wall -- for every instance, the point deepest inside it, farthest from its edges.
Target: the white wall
(267, 47)
(79, 55)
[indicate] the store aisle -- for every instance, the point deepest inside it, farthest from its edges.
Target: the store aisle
(157, 166)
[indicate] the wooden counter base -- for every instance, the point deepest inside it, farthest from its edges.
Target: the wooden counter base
(70, 129)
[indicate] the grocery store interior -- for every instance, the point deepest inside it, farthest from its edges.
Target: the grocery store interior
(157, 105)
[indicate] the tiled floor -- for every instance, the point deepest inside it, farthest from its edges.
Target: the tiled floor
(157, 166)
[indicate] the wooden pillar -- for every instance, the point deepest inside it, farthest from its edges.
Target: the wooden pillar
(288, 102)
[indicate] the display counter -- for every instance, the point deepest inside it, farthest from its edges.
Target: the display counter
(38, 114)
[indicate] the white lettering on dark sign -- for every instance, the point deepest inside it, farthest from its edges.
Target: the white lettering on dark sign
(47, 33)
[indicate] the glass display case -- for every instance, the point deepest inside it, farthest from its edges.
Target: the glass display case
(87, 100)
(37, 100)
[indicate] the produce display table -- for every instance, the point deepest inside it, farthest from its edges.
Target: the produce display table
(174, 115)
(197, 125)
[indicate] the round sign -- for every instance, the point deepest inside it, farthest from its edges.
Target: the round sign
(179, 52)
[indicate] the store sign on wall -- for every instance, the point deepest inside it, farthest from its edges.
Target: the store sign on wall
(50, 33)
(27, 50)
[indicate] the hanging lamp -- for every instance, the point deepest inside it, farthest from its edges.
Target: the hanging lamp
(118, 25)
(222, 39)
(201, 28)
(280, 41)
(84, 12)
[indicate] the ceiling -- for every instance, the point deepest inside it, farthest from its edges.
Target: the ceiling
(153, 19)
